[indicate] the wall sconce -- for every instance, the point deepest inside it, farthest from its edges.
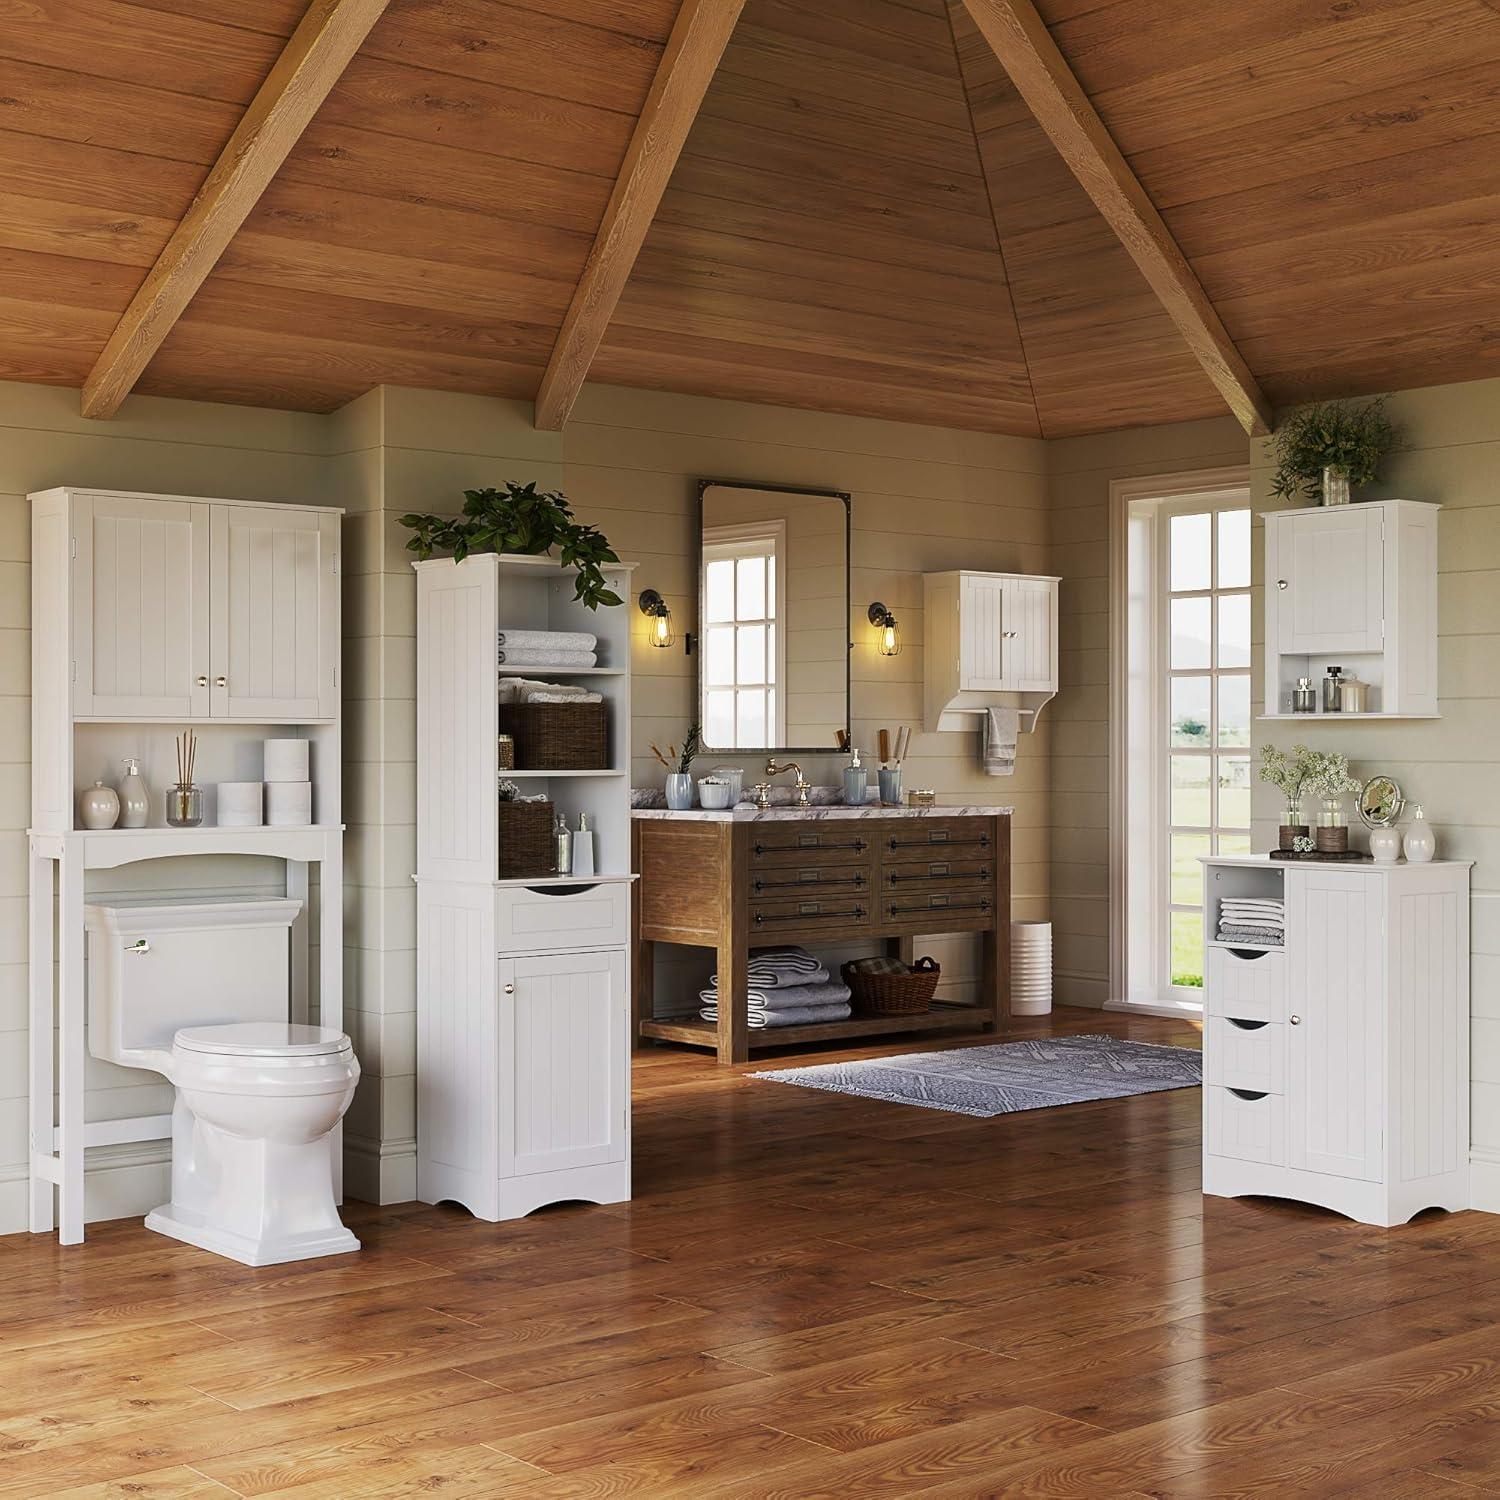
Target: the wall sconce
(654, 607)
(888, 643)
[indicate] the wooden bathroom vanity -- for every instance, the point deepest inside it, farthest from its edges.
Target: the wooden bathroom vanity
(819, 876)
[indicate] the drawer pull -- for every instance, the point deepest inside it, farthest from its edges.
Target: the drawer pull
(1295, 1020)
(897, 911)
(858, 846)
(1251, 1094)
(805, 879)
(983, 873)
(1249, 955)
(801, 916)
(1247, 1025)
(935, 839)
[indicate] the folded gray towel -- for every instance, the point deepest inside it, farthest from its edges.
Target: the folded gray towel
(548, 640)
(1255, 937)
(790, 997)
(545, 658)
(761, 980)
(999, 730)
(759, 1020)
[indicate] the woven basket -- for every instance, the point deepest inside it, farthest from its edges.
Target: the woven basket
(557, 736)
(894, 994)
(526, 839)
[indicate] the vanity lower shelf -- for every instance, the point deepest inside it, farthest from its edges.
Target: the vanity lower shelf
(699, 1033)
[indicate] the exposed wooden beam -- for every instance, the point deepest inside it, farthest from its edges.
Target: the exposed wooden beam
(1021, 42)
(313, 60)
(687, 66)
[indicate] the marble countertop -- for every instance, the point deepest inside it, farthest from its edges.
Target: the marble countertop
(747, 812)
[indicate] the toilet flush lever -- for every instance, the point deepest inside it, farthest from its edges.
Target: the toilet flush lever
(140, 945)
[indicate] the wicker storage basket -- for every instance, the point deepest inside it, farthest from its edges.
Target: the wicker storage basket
(557, 736)
(526, 839)
(894, 994)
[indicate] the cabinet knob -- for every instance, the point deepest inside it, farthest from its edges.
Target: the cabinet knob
(203, 682)
(1008, 635)
(1296, 1020)
(221, 682)
(510, 989)
(1281, 583)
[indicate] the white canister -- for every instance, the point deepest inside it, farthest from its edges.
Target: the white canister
(1385, 845)
(1421, 842)
(239, 804)
(98, 807)
(288, 803)
(286, 760)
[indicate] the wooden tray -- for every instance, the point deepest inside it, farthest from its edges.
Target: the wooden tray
(1348, 857)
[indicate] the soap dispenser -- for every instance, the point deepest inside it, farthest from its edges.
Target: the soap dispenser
(856, 782)
(583, 847)
(563, 840)
(135, 801)
(1420, 841)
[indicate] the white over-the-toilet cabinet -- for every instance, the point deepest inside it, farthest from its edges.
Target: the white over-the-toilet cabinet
(1354, 586)
(1336, 1066)
(202, 609)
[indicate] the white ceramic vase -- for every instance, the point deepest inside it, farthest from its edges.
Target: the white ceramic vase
(1421, 841)
(99, 807)
(679, 791)
(1385, 845)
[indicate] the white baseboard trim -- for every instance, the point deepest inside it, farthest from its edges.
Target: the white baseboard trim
(119, 1182)
(1484, 1179)
(380, 1171)
(1172, 1009)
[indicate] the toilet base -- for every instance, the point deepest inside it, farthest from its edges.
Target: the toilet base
(183, 1224)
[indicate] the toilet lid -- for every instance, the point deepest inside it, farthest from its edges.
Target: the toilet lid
(261, 1039)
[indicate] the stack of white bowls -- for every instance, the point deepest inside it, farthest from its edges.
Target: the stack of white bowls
(288, 787)
(1030, 968)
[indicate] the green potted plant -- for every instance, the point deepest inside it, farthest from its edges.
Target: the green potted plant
(1328, 777)
(520, 518)
(1323, 449)
(1288, 774)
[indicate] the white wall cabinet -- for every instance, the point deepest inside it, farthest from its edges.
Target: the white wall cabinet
(523, 993)
(1336, 1069)
(199, 609)
(990, 641)
(1354, 586)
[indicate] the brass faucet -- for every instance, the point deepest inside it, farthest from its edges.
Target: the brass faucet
(803, 786)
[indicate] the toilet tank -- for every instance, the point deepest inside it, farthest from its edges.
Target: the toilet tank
(156, 966)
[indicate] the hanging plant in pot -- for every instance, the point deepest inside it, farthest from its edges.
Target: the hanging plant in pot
(1322, 450)
(521, 519)
(1288, 774)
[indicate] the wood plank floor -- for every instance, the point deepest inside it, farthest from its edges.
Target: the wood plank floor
(811, 1296)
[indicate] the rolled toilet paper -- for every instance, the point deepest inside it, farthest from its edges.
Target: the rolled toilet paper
(286, 760)
(288, 803)
(239, 804)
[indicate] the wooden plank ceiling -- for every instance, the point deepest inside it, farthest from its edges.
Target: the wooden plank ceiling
(865, 217)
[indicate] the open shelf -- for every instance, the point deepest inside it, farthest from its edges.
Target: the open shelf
(1339, 718)
(543, 775)
(535, 880)
(1249, 947)
(700, 1033)
(537, 673)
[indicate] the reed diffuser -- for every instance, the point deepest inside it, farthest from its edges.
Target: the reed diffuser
(185, 800)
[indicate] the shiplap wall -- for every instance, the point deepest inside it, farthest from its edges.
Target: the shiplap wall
(1451, 766)
(1080, 473)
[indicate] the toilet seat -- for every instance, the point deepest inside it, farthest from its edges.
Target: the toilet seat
(262, 1040)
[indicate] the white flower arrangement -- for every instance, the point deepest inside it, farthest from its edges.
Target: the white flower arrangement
(1286, 772)
(1328, 775)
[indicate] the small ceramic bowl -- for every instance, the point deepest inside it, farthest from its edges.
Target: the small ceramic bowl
(714, 794)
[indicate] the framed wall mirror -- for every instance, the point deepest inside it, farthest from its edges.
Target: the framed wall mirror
(773, 617)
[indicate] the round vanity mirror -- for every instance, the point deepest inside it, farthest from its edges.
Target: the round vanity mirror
(1380, 802)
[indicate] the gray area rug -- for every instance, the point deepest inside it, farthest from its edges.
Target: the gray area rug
(1009, 1077)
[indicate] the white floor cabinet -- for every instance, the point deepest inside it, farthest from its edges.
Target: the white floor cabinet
(1336, 1068)
(523, 1003)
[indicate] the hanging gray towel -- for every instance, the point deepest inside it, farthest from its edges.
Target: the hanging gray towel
(1001, 726)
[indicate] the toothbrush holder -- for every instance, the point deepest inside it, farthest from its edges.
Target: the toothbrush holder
(890, 786)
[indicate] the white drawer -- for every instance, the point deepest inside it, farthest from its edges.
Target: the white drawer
(549, 918)
(1246, 985)
(1245, 1126)
(1245, 1054)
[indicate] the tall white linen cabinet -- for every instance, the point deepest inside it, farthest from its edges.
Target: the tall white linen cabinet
(523, 1003)
(1336, 1067)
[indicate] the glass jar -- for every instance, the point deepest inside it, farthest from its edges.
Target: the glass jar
(1304, 697)
(185, 805)
(1333, 686)
(1335, 486)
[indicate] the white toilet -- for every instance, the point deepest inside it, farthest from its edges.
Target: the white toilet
(198, 993)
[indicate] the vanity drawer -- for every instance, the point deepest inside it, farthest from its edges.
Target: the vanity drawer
(830, 913)
(551, 917)
(841, 841)
(1246, 985)
(929, 876)
(921, 839)
(1245, 1125)
(1245, 1054)
(784, 882)
(938, 911)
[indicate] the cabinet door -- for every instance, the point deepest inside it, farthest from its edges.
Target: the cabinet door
(564, 1061)
(1329, 582)
(1336, 1023)
(1028, 635)
(981, 644)
(140, 608)
(275, 614)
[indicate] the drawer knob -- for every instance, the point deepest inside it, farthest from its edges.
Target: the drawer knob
(1281, 583)
(510, 989)
(1296, 1020)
